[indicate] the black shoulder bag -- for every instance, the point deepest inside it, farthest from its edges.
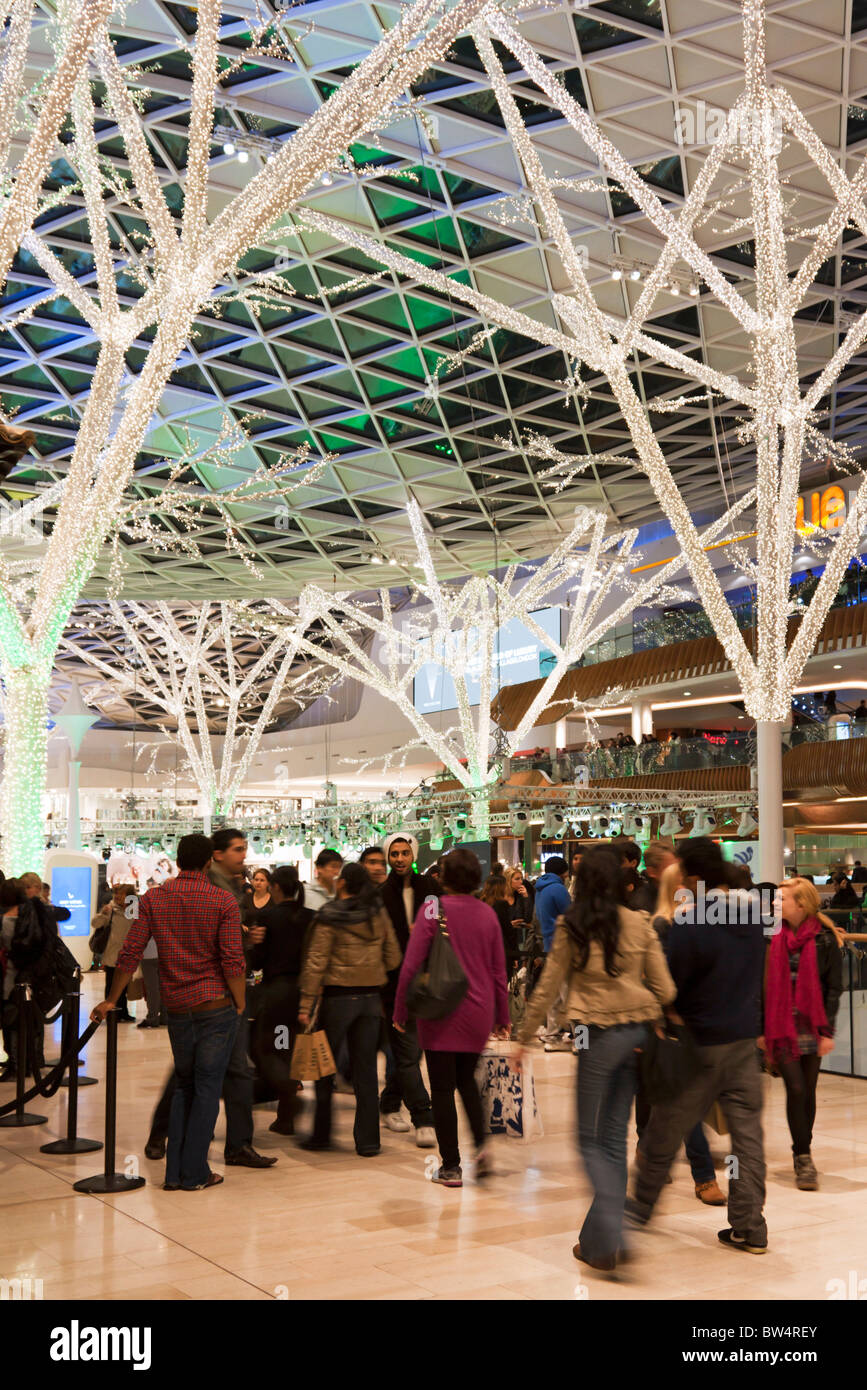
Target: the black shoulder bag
(438, 988)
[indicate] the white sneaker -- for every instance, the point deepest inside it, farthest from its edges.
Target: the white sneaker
(396, 1123)
(425, 1137)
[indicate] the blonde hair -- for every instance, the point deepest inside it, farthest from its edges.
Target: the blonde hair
(26, 879)
(669, 882)
(807, 896)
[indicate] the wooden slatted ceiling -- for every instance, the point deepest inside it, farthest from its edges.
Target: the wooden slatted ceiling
(840, 766)
(681, 661)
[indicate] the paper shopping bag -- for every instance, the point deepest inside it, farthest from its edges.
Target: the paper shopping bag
(136, 988)
(311, 1057)
(508, 1092)
(715, 1117)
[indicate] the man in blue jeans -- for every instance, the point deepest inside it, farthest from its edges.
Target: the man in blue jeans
(197, 930)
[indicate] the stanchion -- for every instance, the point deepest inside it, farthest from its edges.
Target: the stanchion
(19, 1116)
(108, 1180)
(69, 1032)
(73, 1004)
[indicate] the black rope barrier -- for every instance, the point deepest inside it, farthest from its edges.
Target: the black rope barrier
(109, 1180)
(72, 1144)
(13, 1115)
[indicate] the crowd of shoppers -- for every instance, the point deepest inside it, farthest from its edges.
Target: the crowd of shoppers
(625, 954)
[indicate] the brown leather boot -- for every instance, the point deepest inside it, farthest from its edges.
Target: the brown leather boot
(710, 1193)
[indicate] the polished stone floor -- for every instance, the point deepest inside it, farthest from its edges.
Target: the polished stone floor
(336, 1226)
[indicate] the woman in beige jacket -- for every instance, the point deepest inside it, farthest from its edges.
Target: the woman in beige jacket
(352, 946)
(617, 985)
(114, 916)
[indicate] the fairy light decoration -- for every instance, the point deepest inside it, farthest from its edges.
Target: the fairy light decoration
(780, 416)
(189, 663)
(190, 258)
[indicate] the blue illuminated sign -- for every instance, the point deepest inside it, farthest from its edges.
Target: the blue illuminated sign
(520, 656)
(71, 888)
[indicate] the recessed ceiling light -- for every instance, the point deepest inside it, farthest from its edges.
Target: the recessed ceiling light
(687, 692)
(838, 666)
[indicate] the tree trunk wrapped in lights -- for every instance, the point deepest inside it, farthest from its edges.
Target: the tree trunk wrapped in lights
(781, 415)
(191, 260)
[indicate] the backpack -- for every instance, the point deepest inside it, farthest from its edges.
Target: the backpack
(40, 957)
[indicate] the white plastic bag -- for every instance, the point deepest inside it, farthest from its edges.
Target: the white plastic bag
(508, 1092)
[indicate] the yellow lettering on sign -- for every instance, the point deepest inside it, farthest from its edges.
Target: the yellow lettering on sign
(833, 507)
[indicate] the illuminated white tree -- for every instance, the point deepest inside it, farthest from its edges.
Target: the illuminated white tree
(192, 258)
(781, 419)
(189, 664)
(458, 627)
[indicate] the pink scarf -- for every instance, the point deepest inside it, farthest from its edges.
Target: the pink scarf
(781, 1037)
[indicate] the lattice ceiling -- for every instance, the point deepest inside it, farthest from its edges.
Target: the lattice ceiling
(347, 372)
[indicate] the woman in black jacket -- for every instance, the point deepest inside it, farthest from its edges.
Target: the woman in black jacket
(803, 984)
(494, 894)
(279, 956)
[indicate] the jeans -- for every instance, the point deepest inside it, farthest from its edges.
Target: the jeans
(697, 1148)
(450, 1072)
(731, 1074)
(355, 1018)
(150, 970)
(238, 1091)
(201, 1044)
(607, 1078)
(405, 1081)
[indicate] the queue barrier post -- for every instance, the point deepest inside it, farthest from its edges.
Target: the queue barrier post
(19, 1117)
(72, 1144)
(108, 1180)
(74, 998)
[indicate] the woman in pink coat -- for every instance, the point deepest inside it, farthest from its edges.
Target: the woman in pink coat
(452, 1045)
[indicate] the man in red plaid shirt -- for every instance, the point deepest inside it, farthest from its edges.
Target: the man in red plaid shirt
(197, 930)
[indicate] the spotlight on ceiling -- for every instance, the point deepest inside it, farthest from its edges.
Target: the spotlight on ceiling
(747, 825)
(458, 826)
(518, 818)
(635, 273)
(671, 824)
(228, 148)
(553, 825)
(703, 822)
(437, 831)
(617, 273)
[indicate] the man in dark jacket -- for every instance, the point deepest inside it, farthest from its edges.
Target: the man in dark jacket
(552, 900)
(657, 858)
(403, 893)
(716, 951)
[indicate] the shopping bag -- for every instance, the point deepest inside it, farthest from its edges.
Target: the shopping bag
(136, 988)
(508, 1092)
(715, 1117)
(311, 1057)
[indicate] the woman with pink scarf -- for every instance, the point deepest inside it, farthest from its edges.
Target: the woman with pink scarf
(803, 983)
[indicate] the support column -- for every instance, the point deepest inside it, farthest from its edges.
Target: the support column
(24, 769)
(769, 776)
(73, 811)
(642, 719)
